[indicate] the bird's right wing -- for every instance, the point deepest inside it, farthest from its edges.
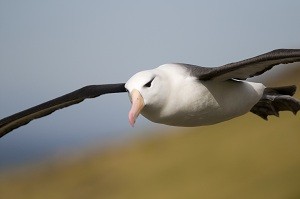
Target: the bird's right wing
(22, 118)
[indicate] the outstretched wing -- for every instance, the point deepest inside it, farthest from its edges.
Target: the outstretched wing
(24, 117)
(247, 68)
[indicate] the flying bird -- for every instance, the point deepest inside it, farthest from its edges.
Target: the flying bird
(181, 94)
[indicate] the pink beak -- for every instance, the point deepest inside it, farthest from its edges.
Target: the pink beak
(136, 107)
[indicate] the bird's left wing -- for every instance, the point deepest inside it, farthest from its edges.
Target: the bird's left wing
(247, 68)
(22, 118)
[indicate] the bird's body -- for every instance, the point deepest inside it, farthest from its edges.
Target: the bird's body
(187, 95)
(193, 102)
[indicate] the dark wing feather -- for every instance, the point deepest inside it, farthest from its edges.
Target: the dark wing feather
(247, 68)
(22, 118)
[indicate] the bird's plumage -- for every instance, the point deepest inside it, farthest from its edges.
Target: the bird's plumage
(247, 68)
(22, 118)
(186, 95)
(184, 100)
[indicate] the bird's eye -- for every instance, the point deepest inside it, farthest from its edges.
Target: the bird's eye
(149, 83)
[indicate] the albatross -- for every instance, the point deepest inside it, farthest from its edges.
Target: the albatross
(187, 95)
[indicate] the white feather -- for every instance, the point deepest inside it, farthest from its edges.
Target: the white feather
(179, 99)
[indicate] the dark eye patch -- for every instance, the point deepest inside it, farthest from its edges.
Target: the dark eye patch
(149, 83)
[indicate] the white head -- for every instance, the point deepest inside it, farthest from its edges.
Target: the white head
(147, 90)
(154, 93)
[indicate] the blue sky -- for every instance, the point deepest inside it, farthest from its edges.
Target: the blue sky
(49, 48)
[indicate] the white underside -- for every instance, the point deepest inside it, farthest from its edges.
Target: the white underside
(195, 103)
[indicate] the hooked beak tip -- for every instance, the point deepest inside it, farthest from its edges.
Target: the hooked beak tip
(131, 119)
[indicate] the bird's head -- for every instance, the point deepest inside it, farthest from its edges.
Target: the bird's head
(147, 91)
